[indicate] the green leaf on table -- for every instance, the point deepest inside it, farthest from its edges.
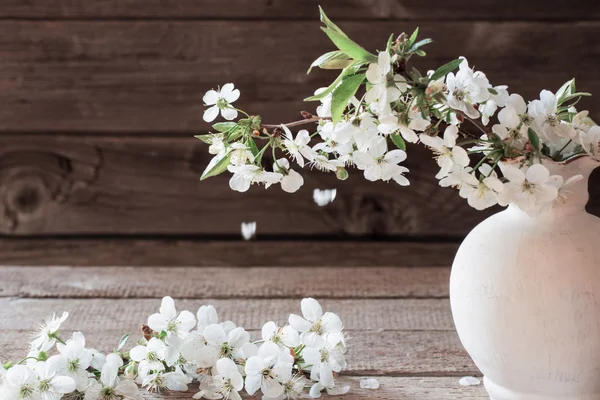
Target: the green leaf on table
(122, 342)
(446, 69)
(217, 165)
(348, 46)
(398, 141)
(224, 126)
(342, 95)
(534, 139)
(349, 70)
(332, 60)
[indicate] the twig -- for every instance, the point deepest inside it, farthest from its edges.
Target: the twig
(297, 123)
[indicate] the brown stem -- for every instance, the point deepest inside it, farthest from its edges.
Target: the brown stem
(478, 125)
(297, 123)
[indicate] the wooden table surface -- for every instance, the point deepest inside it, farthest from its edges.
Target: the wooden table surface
(399, 318)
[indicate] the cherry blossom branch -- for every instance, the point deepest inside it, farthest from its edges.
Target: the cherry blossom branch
(311, 119)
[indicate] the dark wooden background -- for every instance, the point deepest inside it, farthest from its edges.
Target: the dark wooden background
(99, 100)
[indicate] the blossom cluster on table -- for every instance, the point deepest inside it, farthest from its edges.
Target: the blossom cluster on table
(178, 349)
(377, 104)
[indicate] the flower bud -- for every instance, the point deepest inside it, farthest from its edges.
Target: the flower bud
(130, 371)
(42, 356)
(341, 173)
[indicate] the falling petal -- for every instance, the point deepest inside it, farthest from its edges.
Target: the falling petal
(324, 197)
(369, 383)
(248, 230)
(469, 381)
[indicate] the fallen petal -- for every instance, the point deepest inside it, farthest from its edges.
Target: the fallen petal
(469, 381)
(369, 383)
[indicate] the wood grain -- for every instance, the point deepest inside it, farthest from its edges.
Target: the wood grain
(297, 9)
(396, 353)
(150, 76)
(69, 185)
(224, 283)
(391, 388)
(129, 314)
(174, 252)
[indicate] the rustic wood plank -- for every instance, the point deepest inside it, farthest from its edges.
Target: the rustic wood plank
(357, 314)
(221, 283)
(121, 76)
(160, 252)
(297, 9)
(391, 388)
(145, 185)
(394, 353)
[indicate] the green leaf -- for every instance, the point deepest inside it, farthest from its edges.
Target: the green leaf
(122, 342)
(413, 37)
(420, 44)
(493, 91)
(216, 166)
(446, 69)
(533, 138)
(351, 69)
(328, 23)
(398, 141)
(332, 60)
(252, 146)
(420, 53)
(348, 46)
(565, 90)
(574, 95)
(224, 126)
(342, 95)
(205, 138)
(390, 42)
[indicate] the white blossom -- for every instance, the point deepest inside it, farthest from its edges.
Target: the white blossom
(282, 336)
(297, 147)
(169, 321)
(245, 175)
(590, 141)
(528, 187)
(225, 384)
(448, 153)
(545, 114)
(220, 102)
(467, 88)
(313, 323)
(379, 164)
(266, 369)
(292, 181)
(45, 336)
(377, 74)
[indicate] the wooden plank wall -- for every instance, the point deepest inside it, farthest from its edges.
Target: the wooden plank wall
(99, 99)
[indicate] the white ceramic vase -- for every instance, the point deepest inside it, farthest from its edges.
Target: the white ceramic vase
(525, 296)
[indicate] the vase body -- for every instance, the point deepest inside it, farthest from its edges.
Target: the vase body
(525, 297)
